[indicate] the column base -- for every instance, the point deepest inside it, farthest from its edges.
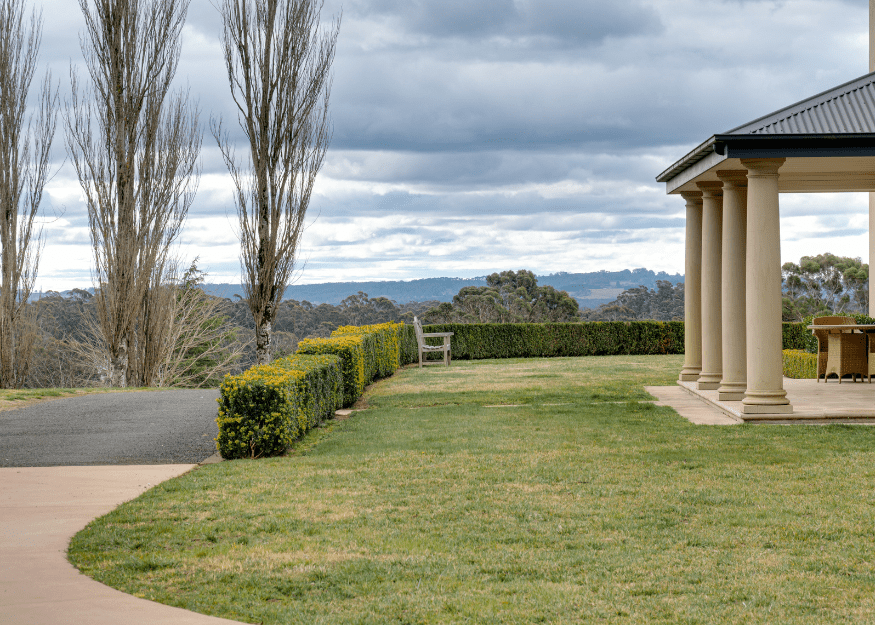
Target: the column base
(689, 375)
(767, 409)
(710, 381)
(766, 402)
(731, 392)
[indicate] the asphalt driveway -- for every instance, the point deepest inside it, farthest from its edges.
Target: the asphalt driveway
(139, 427)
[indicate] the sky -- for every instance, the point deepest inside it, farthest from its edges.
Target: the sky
(473, 136)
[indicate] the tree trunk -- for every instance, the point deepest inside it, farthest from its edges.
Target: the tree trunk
(118, 366)
(7, 348)
(262, 341)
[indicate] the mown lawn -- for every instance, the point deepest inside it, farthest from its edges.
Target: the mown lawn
(514, 491)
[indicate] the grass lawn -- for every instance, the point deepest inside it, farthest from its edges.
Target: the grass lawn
(514, 491)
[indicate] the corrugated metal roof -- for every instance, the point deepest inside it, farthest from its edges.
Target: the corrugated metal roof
(848, 108)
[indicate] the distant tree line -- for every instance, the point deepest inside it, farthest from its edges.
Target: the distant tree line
(211, 336)
(664, 303)
(823, 285)
(508, 297)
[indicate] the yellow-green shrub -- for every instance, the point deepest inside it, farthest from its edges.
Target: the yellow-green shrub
(264, 409)
(386, 355)
(799, 364)
(367, 352)
(351, 351)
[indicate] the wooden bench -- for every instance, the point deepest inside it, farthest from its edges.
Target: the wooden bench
(425, 348)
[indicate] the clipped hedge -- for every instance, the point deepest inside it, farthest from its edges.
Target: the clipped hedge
(530, 340)
(384, 357)
(264, 409)
(799, 364)
(367, 353)
(795, 336)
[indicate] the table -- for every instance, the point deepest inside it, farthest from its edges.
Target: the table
(846, 349)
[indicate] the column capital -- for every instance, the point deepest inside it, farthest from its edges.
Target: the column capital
(733, 177)
(691, 196)
(710, 188)
(762, 166)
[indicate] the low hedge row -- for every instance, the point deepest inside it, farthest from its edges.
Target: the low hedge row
(530, 340)
(367, 353)
(264, 409)
(799, 364)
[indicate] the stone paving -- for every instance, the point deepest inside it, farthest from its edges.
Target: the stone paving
(812, 401)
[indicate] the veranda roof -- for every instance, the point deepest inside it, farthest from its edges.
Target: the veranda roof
(828, 139)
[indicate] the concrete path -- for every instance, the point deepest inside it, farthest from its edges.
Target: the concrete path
(40, 510)
(691, 408)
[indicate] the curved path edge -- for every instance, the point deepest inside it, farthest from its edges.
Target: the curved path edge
(41, 508)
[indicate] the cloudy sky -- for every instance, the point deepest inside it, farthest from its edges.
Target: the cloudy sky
(473, 136)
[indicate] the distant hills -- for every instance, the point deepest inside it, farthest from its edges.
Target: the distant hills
(589, 289)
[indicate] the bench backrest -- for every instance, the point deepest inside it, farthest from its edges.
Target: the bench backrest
(418, 327)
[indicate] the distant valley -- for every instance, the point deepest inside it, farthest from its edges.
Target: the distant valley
(589, 289)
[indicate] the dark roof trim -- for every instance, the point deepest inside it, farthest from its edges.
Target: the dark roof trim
(795, 145)
(700, 152)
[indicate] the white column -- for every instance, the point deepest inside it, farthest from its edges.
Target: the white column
(871, 195)
(765, 384)
(712, 327)
(871, 254)
(693, 289)
(733, 292)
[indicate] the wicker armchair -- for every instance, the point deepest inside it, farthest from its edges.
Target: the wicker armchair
(845, 351)
(871, 370)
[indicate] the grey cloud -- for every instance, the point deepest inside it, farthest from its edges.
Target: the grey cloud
(583, 22)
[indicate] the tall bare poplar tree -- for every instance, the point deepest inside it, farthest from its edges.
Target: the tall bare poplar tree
(279, 62)
(25, 146)
(135, 149)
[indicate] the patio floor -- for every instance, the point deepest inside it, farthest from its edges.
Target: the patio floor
(813, 402)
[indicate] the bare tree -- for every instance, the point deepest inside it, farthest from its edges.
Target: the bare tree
(25, 147)
(194, 344)
(135, 149)
(278, 61)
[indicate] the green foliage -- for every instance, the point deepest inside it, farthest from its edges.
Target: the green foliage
(351, 350)
(367, 353)
(527, 340)
(264, 409)
(799, 364)
(666, 303)
(824, 284)
(508, 297)
(797, 336)
(385, 356)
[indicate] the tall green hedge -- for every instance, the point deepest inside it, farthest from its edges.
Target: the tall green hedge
(530, 340)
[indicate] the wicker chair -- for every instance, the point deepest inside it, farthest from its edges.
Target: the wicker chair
(871, 370)
(841, 353)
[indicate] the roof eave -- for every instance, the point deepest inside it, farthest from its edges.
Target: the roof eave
(696, 155)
